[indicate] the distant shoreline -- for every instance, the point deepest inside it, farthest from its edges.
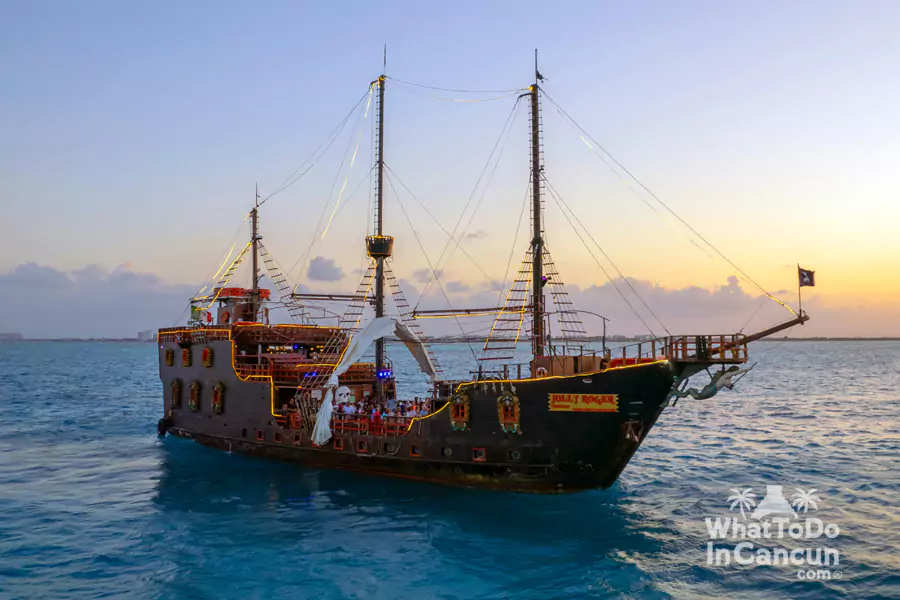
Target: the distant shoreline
(27, 340)
(471, 340)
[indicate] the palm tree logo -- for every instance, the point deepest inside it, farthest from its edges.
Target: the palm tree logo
(743, 499)
(806, 500)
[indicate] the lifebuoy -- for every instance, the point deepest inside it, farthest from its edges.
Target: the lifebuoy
(224, 317)
(541, 372)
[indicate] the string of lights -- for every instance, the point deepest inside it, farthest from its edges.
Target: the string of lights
(320, 151)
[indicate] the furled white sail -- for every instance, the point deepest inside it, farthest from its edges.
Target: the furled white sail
(376, 329)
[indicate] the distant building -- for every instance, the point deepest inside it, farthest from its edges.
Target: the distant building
(644, 337)
(11, 337)
(146, 336)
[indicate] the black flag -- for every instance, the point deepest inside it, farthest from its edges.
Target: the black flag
(807, 278)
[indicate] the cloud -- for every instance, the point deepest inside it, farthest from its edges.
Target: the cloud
(88, 302)
(425, 275)
(41, 301)
(324, 269)
(456, 287)
(479, 234)
(37, 277)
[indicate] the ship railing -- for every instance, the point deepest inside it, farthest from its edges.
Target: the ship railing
(710, 349)
(194, 333)
(369, 425)
(292, 367)
(714, 349)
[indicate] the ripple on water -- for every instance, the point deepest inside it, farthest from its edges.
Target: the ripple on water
(92, 504)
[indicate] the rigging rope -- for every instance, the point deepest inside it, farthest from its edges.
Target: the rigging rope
(316, 238)
(350, 170)
(666, 206)
(438, 223)
(443, 89)
(294, 177)
(559, 202)
(428, 261)
(316, 234)
(512, 249)
(501, 138)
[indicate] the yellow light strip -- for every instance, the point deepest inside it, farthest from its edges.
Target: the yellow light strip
(656, 362)
(350, 170)
(434, 414)
(477, 314)
(216, 276)
(222, 287)
(503, 310)
(522, 318)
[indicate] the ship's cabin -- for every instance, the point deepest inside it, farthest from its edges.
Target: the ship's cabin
(237, 305)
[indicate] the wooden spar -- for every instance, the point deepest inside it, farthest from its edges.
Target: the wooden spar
(800, 320)
(325, 297)
(449, 312)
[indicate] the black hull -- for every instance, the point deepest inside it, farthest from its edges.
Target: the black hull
(553, 451)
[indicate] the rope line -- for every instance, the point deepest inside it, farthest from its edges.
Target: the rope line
(561, 203)
(512, 249)
(317, 238)
(667, 207)
(428, 261)
(443, 89)
(392, 173)
(504, 131)
(294, 177)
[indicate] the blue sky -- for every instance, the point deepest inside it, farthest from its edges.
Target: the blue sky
(134, 133)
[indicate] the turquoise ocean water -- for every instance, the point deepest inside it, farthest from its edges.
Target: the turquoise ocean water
(93, 504)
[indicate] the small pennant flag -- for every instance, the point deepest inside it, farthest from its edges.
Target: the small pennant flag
(807, 277)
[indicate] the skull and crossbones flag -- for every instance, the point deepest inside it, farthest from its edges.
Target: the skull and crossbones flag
(807, 277)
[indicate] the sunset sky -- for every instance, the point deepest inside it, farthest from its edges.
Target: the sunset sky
(134, 135)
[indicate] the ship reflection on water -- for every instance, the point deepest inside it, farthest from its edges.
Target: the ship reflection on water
(325, 518)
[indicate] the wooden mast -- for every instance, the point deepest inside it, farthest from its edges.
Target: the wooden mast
(538, 341)
(254, 228)
(379, 233)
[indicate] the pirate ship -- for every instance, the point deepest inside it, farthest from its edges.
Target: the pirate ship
(568, 419)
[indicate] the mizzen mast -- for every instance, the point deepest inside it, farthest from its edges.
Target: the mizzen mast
(538, 336)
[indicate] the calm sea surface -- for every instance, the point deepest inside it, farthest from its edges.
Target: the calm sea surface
(93, 504)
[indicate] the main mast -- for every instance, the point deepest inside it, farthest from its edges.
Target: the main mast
(379, 246)
(538, 339)
(379, 225)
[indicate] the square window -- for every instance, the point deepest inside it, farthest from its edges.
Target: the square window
(297, 437)
(260, 436)
(478, 454)
(414, 451)
(338, 443)
(362, 446)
